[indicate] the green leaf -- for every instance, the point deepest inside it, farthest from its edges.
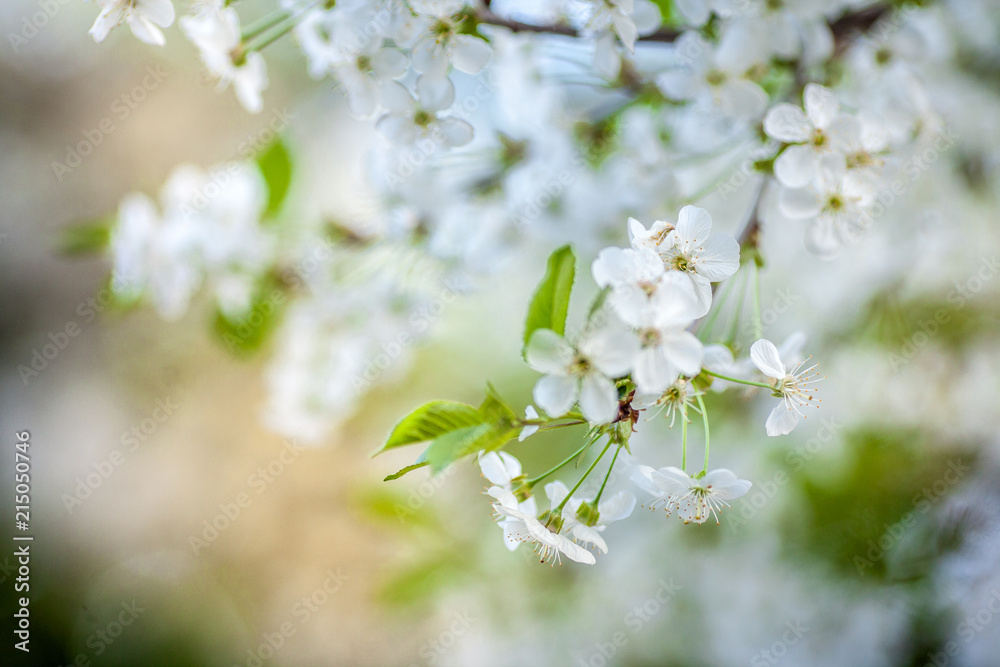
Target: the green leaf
(276, 166)
(403, 471)
(453, 446)
(247, 334)
(430, 421)
(550, 304)
(495, 409)
(88, 238)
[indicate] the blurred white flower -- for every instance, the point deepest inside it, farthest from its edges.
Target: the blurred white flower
(217, 36)
(441, 43)
(410, 119)
(142, 17)
(836, 201)
(819, 131)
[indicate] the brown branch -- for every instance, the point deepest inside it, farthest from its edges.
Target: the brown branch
(842, 28)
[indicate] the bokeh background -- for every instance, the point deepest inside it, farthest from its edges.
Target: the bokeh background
(871, 537)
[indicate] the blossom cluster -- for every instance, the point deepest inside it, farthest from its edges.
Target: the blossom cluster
(498, 129)
(637, 354)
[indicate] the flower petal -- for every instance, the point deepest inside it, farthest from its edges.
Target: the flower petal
(598, 398)
(782, 420)
(765, 357)
(787, 123)
(555, 394)
(548, 352)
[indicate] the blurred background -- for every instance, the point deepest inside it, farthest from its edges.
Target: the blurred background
(172, 528)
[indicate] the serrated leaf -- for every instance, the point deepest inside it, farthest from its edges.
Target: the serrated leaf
(452, 446)
(550, 303)
(276, 167)
(431, 421)
(410, 468)
(495, 409)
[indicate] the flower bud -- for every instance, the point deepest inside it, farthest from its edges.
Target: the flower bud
(588, 514)
(551, 520)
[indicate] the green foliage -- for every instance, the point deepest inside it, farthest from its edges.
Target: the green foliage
(550, 303)
(402, 471)
(275, 165)
(88, 238)
(431, 421)
(857, 519)
(454, 430)
(247, 334)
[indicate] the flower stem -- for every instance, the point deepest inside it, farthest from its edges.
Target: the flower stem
(607, 476)
(684, 438)
(263, 25)
(758, 325)
(535, 480)
(704, 418)
(580, 481)
(737, 380)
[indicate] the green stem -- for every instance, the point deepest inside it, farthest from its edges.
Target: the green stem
(704, 418)
(684, 439)
(606, 477)
(580, 481)
(737, 380)
(716, 309)
(263, 25)
(758, 325)
(738, 311)
(535, 480)
(272, 38)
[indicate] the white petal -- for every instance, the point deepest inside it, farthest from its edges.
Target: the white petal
(616, 507)
(598, 398)
(822, 238)
(429, 58)
(782, 420)
(456, 132)
(556, 491)
(796, 166)
(653, 372)
(106, 20)
(548, 352)
(389, 63)
(610, 349)
(610, 266)
(160, 12)
(720, 257)
(743, 98)
(684, 351)
(469, 54)
(787, 123)
(583, 533)
(499, 467)
(693, 227)
(765, 357)
(435, 94)
(397, 99)
(695, 11)
(821, 104)
(555, 394)
(799, 203)
(397, 129)
(607, 60)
